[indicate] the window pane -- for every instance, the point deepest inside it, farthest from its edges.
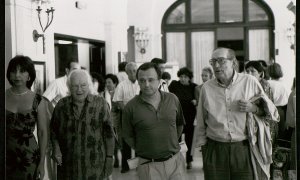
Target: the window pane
(259, 44)
(203, 44)
(176, 48)
(203, 11)
(256, 13)
(231, 11)
(177, 16)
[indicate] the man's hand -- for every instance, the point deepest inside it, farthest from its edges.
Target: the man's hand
(57, 156)
(194, 102)
(247, 106)
(40, 171)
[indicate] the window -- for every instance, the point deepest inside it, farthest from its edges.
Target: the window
(202, 11)
(193, 28)
(256, 13)
(177, 16)
(230, 11)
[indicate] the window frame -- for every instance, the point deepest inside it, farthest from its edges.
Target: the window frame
(188, 27)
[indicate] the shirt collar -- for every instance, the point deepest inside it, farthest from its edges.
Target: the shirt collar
(235, 75)
(89, 98)
(142, 100)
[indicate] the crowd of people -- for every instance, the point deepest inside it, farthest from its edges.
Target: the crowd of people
(84, 119)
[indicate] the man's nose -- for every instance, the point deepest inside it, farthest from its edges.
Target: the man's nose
(217, 64)
(147, 83)
(18, 73)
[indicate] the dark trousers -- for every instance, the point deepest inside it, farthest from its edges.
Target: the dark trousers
(189, 132)
(227, 161)
(126, 154)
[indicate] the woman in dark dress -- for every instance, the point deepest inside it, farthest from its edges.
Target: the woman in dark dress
(24, 109)
(184, 89)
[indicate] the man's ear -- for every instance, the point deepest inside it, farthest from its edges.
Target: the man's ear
(235, 63)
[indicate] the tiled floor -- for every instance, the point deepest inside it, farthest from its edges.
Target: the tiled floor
(196, 173)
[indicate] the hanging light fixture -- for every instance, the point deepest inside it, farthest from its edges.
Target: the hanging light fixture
(141, 38)
(49, 12)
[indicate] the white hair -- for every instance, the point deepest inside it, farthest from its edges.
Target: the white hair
(133, 64)
(88, 78)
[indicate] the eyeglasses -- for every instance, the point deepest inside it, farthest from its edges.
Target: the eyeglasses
(220, 60)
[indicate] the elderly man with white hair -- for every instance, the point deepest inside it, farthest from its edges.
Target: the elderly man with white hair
(82, 132)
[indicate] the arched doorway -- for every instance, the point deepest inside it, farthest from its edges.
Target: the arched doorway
(192, 29)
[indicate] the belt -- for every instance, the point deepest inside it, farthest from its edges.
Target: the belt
(159, 159)
(244, 142)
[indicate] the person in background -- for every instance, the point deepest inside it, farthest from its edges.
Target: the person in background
(257, 69)
(25, 158)
(184, 89)
(82, 132)
(222, 118)
(58, 88)
(166, 77)
(98, 83)
(207, 74)
(111, 82)
(163, 85)
(280, 98)
(152, 124)
(124, 92)
(291, 123)
(122, 75)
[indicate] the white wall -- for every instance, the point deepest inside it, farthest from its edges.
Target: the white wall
(108, 21)
(147, 13)
(101, 20)
(286, 57)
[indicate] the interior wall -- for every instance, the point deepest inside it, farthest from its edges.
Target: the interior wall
(91, 22)
(286, 56)
(108, 21)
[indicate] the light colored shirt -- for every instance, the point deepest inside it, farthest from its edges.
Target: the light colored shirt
(280, 93)
(126, 90)
(163, 85)
(291, 110)
(122, 76)
(57, 90)
(218, 112)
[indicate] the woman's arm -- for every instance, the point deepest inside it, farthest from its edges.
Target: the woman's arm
(42, 134)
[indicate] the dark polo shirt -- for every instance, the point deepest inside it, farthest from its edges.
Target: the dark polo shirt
(153, 132)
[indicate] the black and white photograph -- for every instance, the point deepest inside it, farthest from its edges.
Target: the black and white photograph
(39, 85)
(150, 89)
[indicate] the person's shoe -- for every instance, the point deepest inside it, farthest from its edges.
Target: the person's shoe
(124, 170)
(189, 165)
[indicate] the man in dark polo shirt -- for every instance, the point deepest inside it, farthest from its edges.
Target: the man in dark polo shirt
(152, 124)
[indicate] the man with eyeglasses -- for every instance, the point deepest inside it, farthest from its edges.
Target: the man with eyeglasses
(221, 119)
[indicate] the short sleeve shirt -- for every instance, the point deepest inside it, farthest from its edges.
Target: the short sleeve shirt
(125, 91)
(57, 90)
(154, 131)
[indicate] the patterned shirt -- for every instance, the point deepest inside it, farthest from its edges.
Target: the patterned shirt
(82, 140)
(218, 115)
